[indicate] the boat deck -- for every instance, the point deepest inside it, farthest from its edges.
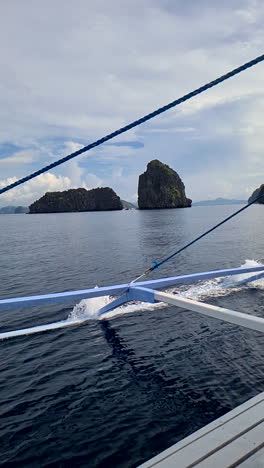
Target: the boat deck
(235, 439)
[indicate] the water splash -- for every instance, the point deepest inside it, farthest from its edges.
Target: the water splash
(202, 290)
(87, 309)
(218, 287)
(233, 281)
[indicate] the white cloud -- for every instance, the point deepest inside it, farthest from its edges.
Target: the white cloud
(92, 181)
(34, 189)
(72, 146)
(100, 73)
(20, 157)
(105, 63)
(170, 130)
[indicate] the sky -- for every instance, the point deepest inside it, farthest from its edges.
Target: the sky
(73, 71)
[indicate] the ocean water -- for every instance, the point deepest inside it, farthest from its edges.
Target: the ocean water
(115, 392)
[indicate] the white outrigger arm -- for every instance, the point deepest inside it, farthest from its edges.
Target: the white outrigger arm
(146, 291)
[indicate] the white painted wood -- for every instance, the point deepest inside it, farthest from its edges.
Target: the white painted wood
(255, 461)
(227, 315)
(73, 296)
(236, 451)
(239, 432)
(40, 328)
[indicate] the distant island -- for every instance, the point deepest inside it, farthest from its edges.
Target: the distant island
(257, 193)
(161, 187)
(219, 201)
(99, 199)
(25, 209)
(128, 205)
(14, 210)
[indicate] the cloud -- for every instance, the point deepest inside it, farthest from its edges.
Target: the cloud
(19, 157)
(34, 189)
(170, 130)
(92, 181)
(132, 144)
(106, 63)
(72, 146)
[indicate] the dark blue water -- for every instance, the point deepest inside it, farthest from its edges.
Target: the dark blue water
(114, 393)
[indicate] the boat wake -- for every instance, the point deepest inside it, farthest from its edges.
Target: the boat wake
(218, 287)
(87, 309)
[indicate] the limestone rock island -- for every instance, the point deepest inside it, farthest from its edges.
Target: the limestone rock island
(257, 193)
(99, 199)
(161, 187)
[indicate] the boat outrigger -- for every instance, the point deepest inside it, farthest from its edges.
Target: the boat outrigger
(144, 291)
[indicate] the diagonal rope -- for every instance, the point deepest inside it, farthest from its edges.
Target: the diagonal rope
(134, 124)
(166, 259)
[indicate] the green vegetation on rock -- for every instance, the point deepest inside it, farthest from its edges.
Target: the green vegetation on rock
(99, 199)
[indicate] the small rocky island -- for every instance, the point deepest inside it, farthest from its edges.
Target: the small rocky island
(257, 193)
(99, 199)
(161, 187)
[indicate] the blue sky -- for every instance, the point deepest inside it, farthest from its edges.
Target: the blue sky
(75, 71)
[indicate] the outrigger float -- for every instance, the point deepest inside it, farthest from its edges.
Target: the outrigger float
(145, 291)
(236, 439)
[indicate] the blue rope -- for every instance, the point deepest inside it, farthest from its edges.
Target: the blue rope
(158, 264)
(147, 117)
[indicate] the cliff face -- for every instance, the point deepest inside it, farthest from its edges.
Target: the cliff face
(161, 187)
(99, 199)
(259, 191)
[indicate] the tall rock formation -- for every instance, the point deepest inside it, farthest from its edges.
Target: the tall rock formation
(259, 191)
(99, 199)
(161, 187)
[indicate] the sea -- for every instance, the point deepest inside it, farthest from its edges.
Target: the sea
(116, 391)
